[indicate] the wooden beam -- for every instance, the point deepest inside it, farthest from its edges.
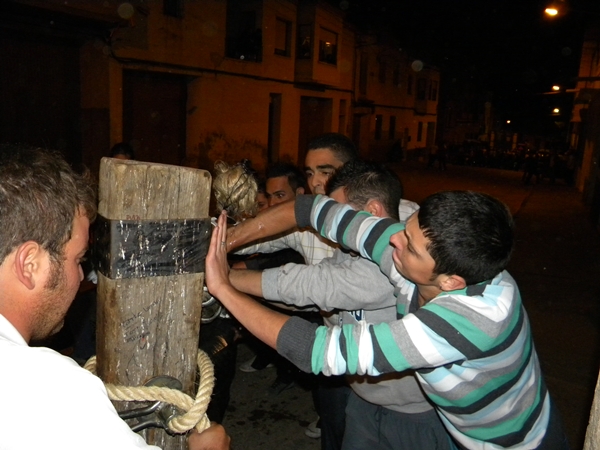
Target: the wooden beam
(148, 325)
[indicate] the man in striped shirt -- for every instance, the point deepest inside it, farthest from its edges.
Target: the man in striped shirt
(461, 324)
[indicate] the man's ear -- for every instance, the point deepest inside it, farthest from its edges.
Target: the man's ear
(28, 263)
(300, 190)
(375, 208)
(452, 283)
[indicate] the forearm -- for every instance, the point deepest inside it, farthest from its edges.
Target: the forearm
(261, 321)
(247, 281)
(358, 230)
(269, 222)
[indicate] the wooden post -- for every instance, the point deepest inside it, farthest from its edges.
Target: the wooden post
(149, 307)
(592, 437)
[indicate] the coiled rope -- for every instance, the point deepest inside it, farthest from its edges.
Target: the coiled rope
(195, 415)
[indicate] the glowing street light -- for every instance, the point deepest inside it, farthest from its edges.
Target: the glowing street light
(556, 88)
(508, 121)
(551, 11)
(556, 110)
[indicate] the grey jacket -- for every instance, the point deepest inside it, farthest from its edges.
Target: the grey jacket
(350, 289)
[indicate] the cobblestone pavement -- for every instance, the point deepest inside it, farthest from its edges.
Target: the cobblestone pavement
(557, 267)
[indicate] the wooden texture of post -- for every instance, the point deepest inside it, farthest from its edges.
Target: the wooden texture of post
(592, 437)
(149, 326)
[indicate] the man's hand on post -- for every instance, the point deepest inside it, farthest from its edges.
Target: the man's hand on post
(258, 319)
(217, 268)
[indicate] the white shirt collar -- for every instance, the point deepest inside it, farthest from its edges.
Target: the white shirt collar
(9, 332)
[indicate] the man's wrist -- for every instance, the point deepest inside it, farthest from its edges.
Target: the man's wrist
(225, 293)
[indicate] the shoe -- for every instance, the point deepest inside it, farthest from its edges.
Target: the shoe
(248, 366)
(279, 386)
(313, 430)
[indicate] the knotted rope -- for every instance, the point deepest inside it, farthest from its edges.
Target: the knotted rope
(195, 415)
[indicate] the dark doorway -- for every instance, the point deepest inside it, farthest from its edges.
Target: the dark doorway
(154, 116)
(315, 119)
(40, 92)
(430, 137)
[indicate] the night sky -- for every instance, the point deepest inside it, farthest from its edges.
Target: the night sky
(508, 49)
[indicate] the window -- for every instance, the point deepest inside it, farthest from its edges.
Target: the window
(243, 37)
(409, 85)
(392, 134)
(173, 8)
(420, 132)
(378, 126)
(304, 50)
(421, 88)
(433, 88)
(382, 71)
(283, 35)
(328, 46)
(396, 76)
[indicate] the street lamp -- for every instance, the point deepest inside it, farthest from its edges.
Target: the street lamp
(556, 88)
(557, 8)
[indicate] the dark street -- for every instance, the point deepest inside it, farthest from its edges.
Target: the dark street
(556, 265)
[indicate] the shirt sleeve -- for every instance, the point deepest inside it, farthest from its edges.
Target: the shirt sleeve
(346, 285)
(269, 246)
(354, 230)
(449, 329)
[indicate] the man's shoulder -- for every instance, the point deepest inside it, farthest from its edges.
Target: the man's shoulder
(406, 208)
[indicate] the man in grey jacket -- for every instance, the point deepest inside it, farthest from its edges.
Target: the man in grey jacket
(385, 412)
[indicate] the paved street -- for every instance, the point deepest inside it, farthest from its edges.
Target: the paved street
(556, 265)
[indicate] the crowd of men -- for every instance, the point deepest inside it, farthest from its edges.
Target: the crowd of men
(418, 333)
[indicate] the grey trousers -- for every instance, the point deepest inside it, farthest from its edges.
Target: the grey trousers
(373, 427)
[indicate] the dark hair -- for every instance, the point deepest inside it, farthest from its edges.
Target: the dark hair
(122, 148)
(364, 181)
(342, 146)
(295, 176)
(261, 186)
(39, 197)
(471, 234)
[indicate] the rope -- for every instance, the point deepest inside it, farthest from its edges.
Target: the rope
(195, 415)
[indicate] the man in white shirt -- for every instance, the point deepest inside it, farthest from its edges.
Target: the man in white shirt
(48, 401)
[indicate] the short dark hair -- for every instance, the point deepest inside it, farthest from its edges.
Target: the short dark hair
(122, 148)
(342, 146)
(471, 234)
(40, 194)
(363, 181)
(261, 186)
(295, 176)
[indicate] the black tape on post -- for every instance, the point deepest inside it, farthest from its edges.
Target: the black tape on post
(151, 248)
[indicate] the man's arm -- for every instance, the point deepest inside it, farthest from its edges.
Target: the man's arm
(261, 321)
(269, 222)
(269, 245)
(341, 282)
(247, 281)
(356, 230)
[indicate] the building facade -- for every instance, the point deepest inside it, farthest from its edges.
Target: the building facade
(584, 136)
(192, 82)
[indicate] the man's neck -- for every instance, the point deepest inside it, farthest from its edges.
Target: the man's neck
(427, 293)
